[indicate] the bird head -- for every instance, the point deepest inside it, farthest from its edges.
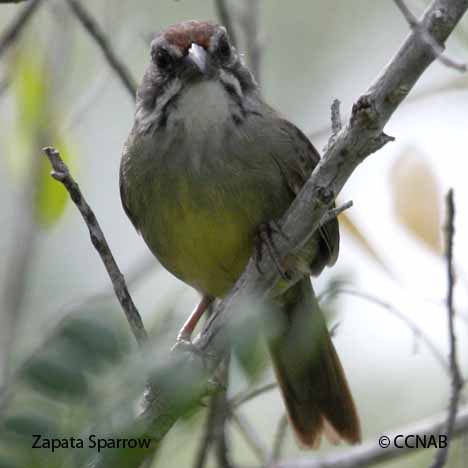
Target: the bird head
(183, 56)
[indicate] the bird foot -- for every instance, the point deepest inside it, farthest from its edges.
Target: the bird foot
(265, 238)
(184, 344)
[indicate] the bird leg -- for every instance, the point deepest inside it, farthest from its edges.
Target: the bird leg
(185, 333)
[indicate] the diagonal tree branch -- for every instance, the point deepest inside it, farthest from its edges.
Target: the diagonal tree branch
(280, 437)
(437, 49)
(61, 173)
(413, 326)
(360, 137)
(247, 395)
(94, 30)
(12, 33)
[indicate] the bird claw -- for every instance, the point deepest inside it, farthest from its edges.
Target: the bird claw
(265, 233)
(185, 345)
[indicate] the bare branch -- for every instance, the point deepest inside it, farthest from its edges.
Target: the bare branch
(90, 24)
(222, 448)
(419, 29)
(244, 397)
(12, 1)
(335, 212)
(208, 435)
(62, 174)
(222, 412)
(225, 17)
(250, 22)
(251, 437)
(371, 453)
(456, 378)
(454, 84)
(336, 123)
(11, 34)
(280, 437)
(395, 312)
(362, 136)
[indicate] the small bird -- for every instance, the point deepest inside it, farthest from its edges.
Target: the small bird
(208, 163)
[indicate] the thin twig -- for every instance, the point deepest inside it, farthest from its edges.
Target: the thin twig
(11, 34)
(94, 30)
(222, 411)
(419, 29)
(207, 438)
(455, 84)
(251, 437)
(280, 437)
(247, 395)
(62, 174)
(371, 453)
(336, 117)
(222, 447)
(225, 16)
(336, 123)
(214, 433)
(334, 212)
(250, 22)
(456, 378)
(417, 331)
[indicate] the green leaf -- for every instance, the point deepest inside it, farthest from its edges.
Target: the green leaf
(37, 126)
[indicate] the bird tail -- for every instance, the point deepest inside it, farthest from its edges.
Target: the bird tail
(309, 372)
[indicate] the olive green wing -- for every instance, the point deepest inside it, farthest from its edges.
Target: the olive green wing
(123, 181)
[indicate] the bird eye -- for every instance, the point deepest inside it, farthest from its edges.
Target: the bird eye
(162, 58)
(224, 49)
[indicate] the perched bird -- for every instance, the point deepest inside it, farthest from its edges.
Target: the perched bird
(206, 164)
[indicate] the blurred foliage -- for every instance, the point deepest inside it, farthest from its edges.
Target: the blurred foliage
(59, 391)
(355, 231)
(248, 344)
(416, 198)
(37, 125)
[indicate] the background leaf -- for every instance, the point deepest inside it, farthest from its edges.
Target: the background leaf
(416, 198)
(36, 127)
(356, 233)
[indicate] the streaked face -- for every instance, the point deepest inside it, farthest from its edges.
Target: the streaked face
(183, 56)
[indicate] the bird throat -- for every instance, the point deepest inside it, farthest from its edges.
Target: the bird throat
(204, 108)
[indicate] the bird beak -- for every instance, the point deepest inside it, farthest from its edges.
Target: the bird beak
(198, 58)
